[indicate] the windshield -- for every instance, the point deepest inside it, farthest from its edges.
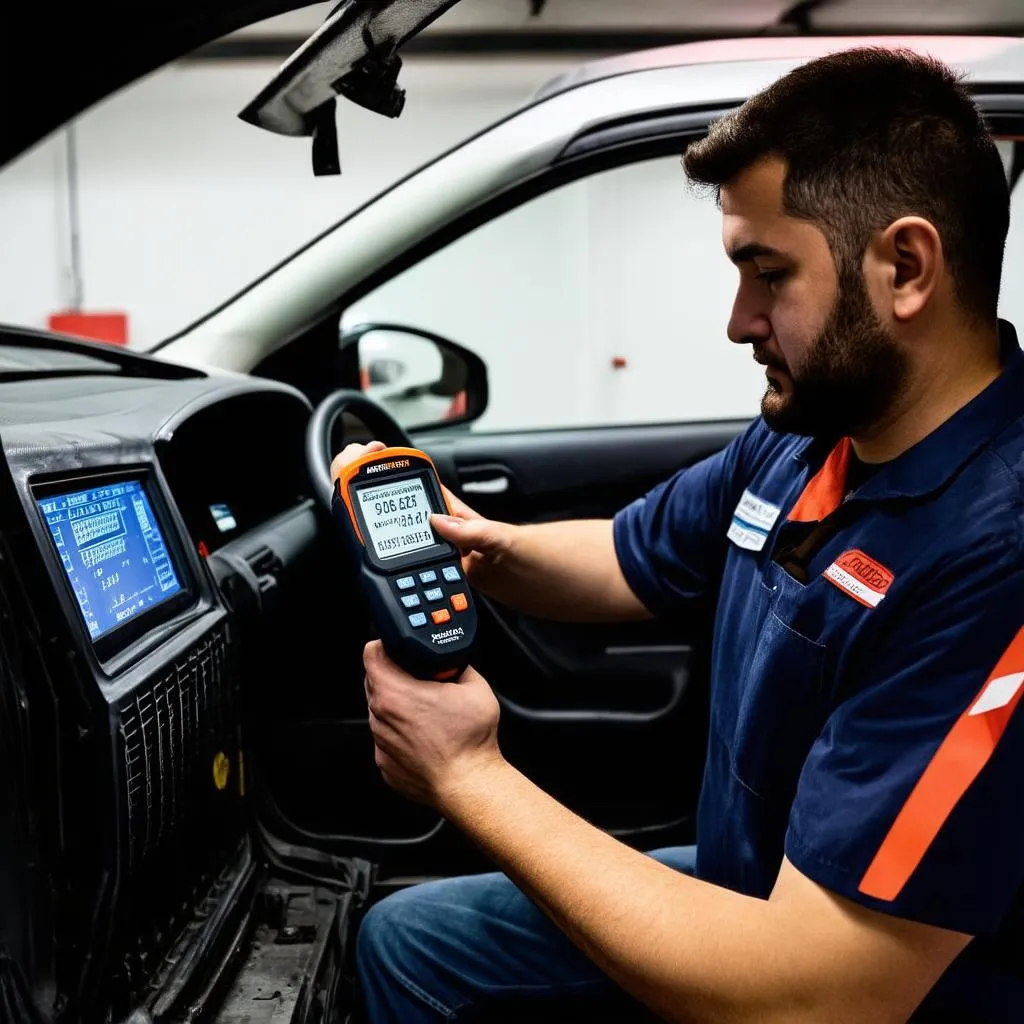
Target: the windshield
(157, 205)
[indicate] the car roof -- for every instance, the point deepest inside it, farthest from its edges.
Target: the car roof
(989, 58)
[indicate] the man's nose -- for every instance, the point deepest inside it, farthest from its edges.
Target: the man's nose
(747, 324)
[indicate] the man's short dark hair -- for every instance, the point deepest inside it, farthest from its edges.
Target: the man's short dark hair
(870, 135)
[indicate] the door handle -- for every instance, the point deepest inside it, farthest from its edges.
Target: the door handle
(489, 485)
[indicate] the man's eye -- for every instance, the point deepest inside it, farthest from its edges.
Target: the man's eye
(770, 277)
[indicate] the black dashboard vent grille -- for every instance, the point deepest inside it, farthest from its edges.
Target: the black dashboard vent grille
(181, 805)
(172, 731)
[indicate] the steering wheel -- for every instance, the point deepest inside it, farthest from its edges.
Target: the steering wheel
(374, 416)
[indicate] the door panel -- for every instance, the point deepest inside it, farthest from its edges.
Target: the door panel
(609, 718)
(569, 474)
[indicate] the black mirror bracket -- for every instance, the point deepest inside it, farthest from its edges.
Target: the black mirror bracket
(372, 82)
(326, 157)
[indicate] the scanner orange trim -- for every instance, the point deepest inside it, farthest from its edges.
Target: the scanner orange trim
(345, 477)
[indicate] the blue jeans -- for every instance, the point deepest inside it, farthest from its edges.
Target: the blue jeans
(431, 951)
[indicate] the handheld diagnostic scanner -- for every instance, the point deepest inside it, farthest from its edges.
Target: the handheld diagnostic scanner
(421, 604)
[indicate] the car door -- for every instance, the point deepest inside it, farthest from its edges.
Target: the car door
(598, 300)
(609, 370)
(611, 719)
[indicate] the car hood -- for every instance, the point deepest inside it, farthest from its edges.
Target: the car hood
(84, 52)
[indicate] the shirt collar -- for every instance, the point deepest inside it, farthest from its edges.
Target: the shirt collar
(930, 463)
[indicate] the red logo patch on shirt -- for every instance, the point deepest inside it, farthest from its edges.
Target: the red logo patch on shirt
(860, 576)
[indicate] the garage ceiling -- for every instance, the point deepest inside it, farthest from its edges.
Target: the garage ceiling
(601, 26)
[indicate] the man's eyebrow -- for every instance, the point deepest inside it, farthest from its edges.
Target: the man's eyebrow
(751, 251)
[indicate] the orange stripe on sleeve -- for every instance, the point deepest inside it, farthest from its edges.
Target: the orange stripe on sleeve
(954, 766)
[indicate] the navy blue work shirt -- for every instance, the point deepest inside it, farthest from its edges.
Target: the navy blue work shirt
(867, 661)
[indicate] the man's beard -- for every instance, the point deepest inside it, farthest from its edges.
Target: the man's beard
(852, 375)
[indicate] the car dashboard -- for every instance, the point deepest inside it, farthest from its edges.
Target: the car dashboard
(141, 516)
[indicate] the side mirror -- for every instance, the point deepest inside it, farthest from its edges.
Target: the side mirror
(422, 380)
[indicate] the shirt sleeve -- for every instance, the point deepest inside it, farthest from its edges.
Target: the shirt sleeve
(671, 543)
(911, 801)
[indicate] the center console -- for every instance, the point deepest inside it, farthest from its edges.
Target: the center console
(146, 553)
(138, 742)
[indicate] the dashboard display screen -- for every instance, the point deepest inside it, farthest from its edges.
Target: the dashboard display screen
(397, 516)
(113, 552)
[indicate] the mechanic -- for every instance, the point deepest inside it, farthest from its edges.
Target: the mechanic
(860, 834)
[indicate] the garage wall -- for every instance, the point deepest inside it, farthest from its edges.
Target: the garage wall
(182, 204)
(602, 302)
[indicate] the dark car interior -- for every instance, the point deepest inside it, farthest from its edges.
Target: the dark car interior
(192, 824)
(192, 819)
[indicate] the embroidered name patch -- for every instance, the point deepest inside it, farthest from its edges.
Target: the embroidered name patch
(859, 576)
(752, 522)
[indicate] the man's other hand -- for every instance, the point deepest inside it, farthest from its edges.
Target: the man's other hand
(483, 543)
(350, 453)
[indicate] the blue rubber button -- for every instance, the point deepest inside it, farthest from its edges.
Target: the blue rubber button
(405, 583)
(411, 600)
(436, 594)
(428, 577)
(450, 573)
(419, 619)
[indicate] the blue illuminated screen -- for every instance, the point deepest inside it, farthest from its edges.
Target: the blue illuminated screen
(113, 552)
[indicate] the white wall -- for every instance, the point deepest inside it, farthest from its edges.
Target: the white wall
(626, 263)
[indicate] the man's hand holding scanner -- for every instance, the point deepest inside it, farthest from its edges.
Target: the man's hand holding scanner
(428, 737)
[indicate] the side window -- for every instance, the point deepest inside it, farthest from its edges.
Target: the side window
(603, 302)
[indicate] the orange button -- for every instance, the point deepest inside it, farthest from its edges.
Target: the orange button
(459, 602)
(440, 616)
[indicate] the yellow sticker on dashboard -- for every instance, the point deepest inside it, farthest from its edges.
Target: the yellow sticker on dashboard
(221, 770)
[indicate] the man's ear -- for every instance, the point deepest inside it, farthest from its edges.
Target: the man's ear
(903, 266)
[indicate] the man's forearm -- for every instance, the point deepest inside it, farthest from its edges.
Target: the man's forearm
(690, 950)
(567, 571)
(655, 932)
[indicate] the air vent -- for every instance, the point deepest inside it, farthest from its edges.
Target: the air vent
(181, 802)
(265, 563)
(171, 731)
